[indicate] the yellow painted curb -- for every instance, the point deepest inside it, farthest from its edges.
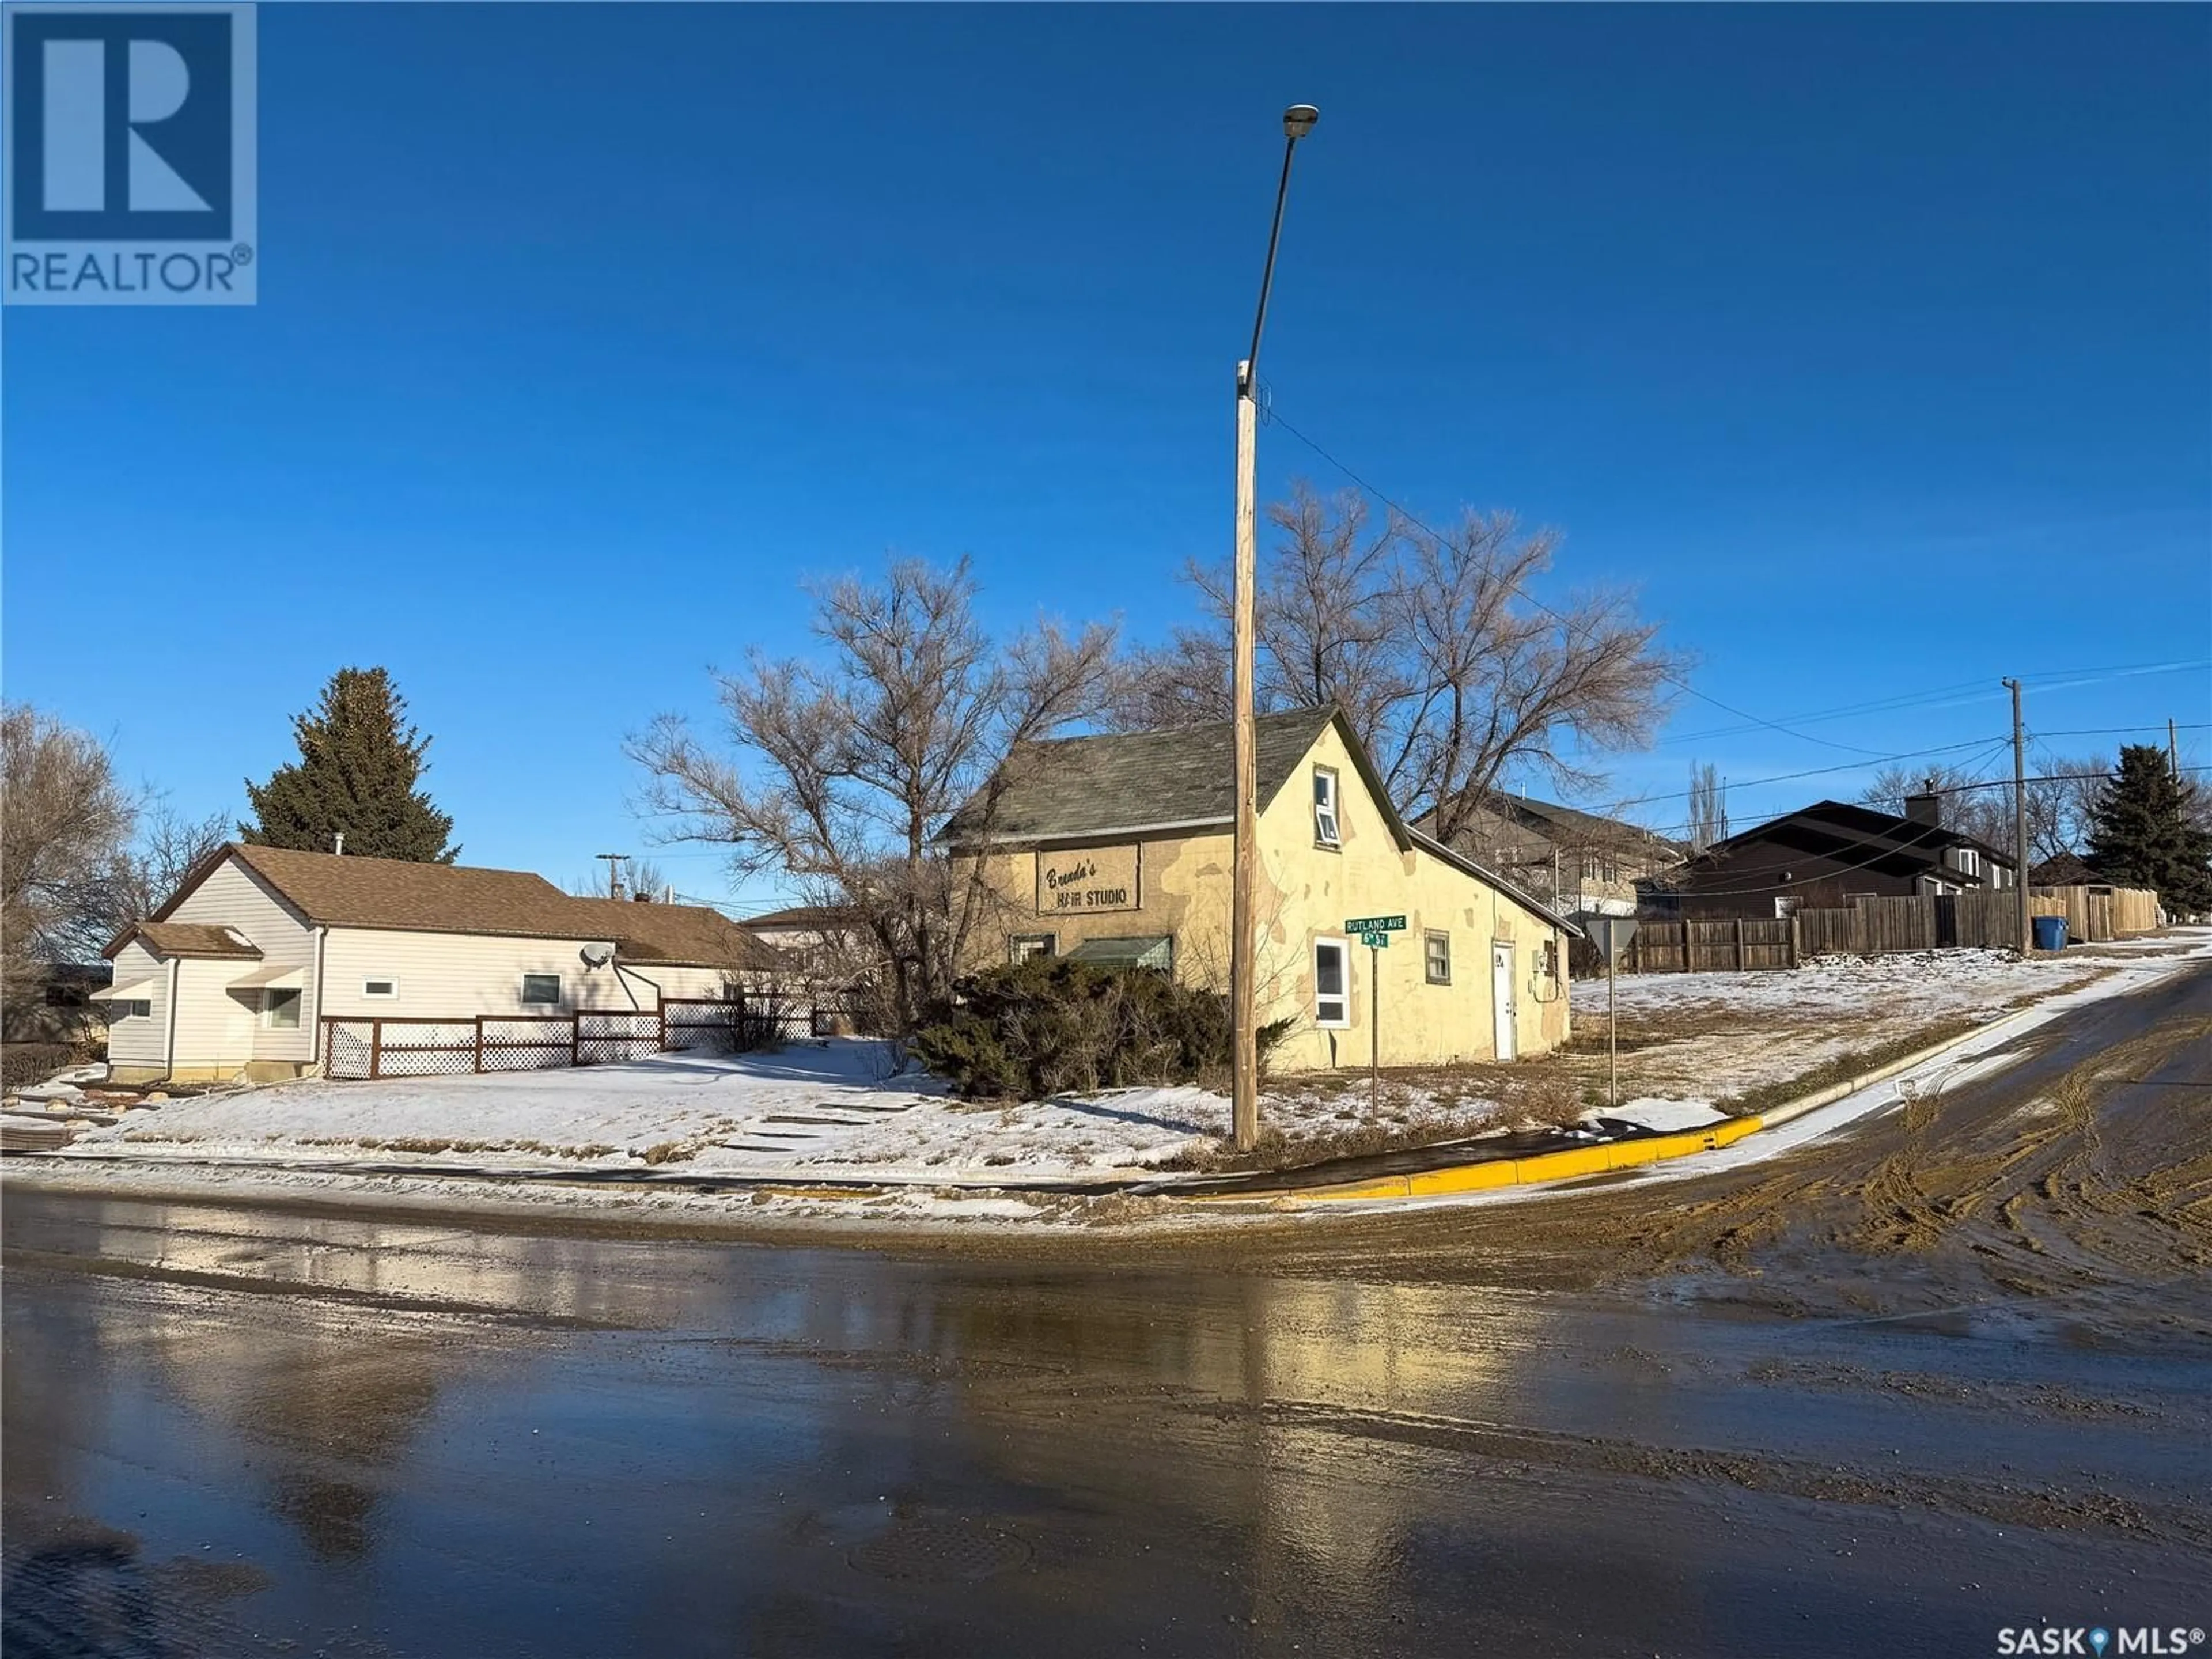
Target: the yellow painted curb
(1568, 1165)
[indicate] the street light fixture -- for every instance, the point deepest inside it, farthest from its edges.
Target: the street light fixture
(1297, 121)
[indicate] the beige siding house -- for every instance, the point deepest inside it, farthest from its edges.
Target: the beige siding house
(236, 973)
(1116, 850)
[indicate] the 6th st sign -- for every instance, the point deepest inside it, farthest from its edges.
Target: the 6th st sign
(1374, 933)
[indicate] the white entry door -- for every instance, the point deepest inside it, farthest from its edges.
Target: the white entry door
(1501, 1001)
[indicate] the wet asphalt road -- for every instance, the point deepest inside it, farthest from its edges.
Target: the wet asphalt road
(233, 1432)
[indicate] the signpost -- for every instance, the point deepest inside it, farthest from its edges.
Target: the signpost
(1374, 933)
(1611, 934)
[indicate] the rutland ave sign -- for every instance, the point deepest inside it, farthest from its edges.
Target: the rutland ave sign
(1375, 930)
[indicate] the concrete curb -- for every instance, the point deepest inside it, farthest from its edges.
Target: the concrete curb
(1836, 1091)
(1583, 1161)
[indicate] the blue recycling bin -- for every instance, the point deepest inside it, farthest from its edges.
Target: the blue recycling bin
(2050, 933)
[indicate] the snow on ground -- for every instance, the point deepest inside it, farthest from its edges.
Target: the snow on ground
(831, 1109)
(1666, 1116)
(836, 1111)
(1937, 983)
(1711, 1038)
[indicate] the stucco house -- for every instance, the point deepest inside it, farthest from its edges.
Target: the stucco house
(1115, 849)
(236, 972)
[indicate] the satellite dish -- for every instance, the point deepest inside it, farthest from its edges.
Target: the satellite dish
(599, 956)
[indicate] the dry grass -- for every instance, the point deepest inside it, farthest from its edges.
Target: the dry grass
(1842, 1068)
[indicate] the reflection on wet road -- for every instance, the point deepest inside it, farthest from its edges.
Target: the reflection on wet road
(230, 1431)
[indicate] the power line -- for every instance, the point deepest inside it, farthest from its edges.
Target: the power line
(1984, 750)
(1672, 679)
(1987, 745)
(2118, 731)
(1911, 700)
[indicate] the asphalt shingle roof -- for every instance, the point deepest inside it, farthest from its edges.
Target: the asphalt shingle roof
(193, 939)
(455, 898)
(1098, 786)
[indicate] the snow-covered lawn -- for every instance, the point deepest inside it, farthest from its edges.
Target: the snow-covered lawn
(836, 1110)
(1713, 1037)
(831, 1109)
(1935, 983)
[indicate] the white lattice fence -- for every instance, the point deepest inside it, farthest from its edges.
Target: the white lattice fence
(348, 1048)
(527, 1042)
(427, 1047)
(604, 1036)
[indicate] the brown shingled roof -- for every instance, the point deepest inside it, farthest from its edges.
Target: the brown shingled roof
(192, 938)
(454, 898)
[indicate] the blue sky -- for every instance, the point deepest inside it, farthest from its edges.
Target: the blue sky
(1872, 345)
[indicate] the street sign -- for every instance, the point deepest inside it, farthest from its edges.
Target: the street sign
(1611, 934)
(1374, 941)
(1374, 924)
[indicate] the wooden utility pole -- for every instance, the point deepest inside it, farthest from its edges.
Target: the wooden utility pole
(614, 872)
(1244, 853)
(1245, 856)
(2020, 820)
(2172, 750)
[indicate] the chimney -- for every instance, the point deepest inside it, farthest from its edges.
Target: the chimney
(1926, 807)
(337, 843)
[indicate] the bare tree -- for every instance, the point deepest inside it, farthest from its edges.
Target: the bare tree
(846, 764)
(1708, 806)
(638, 876)
(63, 823)
(1449, 673)
(1973, 806)
(168, 846)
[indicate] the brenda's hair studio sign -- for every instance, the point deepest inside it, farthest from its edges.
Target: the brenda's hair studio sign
(1095, 878)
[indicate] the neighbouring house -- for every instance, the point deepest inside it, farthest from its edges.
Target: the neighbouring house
(55, 1003)
(1828, 854)
(807, 929)
(1579, 863)
(235, 974)
(2067, 870)
(1116, 850)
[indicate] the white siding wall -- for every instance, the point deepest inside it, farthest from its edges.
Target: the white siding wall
(139, 1042)
(234, 897)
(213, 1028)
(458, 975)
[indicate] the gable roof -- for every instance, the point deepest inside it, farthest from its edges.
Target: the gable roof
(805, 915)
(1555, 822)
(2068, 870)
(331, 891)
(188, 938)
(1122, 783)
(1117, 783)
(1887, 838)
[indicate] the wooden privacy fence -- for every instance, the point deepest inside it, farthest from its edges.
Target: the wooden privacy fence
(2099, 913)
(382, 1045)
(1873, 926)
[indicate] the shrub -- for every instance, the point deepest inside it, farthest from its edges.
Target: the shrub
(26, 1063)
(1050, 1025)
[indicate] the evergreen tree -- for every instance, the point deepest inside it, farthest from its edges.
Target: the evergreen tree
(358, 762)
(2144, 833)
